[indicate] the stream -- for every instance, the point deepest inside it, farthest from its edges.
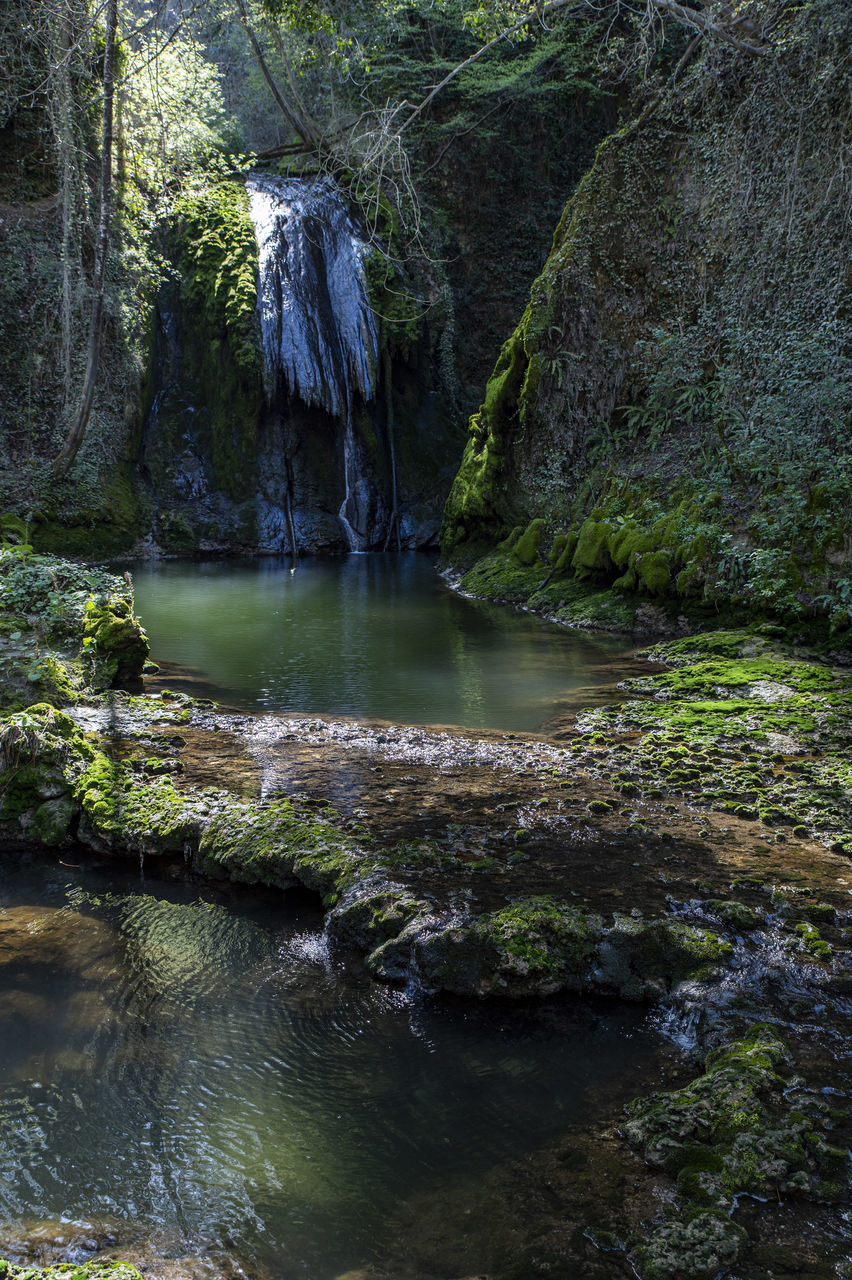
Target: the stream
(197, 1067)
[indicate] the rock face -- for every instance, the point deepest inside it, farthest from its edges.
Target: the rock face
(281, 420)
(671, 404)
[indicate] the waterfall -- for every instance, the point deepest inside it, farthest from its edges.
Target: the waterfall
(319, 333)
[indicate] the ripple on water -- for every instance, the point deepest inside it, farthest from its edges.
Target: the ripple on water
(236, 1084)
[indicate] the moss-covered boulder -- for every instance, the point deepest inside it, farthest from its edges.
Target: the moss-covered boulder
(276, 845)
(644, 959)
(372, 913)
(738, 1129)
(534, 946)
(120, 645)
(66, 629)
(39, 750)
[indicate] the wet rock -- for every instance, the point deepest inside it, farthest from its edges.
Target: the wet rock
(536, 946)
(736, 1130)
(700, 1248)
(372, 912)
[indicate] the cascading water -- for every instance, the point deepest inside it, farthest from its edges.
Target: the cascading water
(319, 334)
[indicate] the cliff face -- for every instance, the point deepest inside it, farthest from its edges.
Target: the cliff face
(672, 412)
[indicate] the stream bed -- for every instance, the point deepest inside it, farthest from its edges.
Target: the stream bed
(199, 1068)
(377, 636)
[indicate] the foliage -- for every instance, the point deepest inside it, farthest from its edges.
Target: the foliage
(218, 258)
(173, 112)
(682, 372)
(54, 593)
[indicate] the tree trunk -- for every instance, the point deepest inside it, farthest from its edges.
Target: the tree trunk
(74, 439)
(296, 123)
(304, 115)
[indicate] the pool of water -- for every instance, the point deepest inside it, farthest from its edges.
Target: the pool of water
(207, 1070)
(377, 636)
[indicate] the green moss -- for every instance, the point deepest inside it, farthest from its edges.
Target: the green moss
(591, 554)
(120, 812)
(78, 630)
(639, 957)
(397, 308)
(511, 538)
(525, 548)
(704, 1246)
(535, 946)
(730, 1132)
(501, 392)
(98, 1269)
(471, 503)
(628, 541)
(736, 914)
(37, 746)
(810, 939)
(654, 570)
(273, 844)
(542, 936)
(215, 249)
(118, 643)
(52, 821)
(218, 260)
(367, 920)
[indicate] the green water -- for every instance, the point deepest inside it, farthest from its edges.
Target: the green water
(206, 1070)
(377, 636)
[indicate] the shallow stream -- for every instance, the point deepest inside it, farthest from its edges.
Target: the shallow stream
(378, 636)
(200, 1066)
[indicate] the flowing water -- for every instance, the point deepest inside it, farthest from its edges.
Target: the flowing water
(204, 1068)
(378, 636)
(319, 332)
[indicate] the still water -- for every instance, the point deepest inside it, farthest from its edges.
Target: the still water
(206, 1069)
(379, 636)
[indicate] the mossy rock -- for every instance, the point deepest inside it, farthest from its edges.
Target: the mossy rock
(628, 541)
(643, 958)
(52, 822)
(120, 814)
(97, 1269)
(366, 919)
(735, 1130)
(591, 554)
(535, 946)
(697, 1249)
(36, 747)
(525, 548)
(272, 844)
(736, 914)
(654, 571)
(120, 643)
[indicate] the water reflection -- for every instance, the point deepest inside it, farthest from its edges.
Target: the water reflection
(376, 636)
(216, 1074)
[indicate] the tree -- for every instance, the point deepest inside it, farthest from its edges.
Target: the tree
(62, 465)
